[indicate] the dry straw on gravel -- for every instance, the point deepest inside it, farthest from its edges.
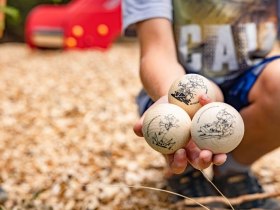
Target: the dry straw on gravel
(66, 139)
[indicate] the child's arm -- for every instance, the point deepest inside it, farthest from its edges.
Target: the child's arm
(159, 67)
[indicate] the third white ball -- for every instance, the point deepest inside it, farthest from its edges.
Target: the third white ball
(217, 127)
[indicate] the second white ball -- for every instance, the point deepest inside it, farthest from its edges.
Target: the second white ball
(166, 128)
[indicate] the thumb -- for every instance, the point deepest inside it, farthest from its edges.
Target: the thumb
(137, 128)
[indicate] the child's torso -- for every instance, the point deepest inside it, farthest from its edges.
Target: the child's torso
(221, 38)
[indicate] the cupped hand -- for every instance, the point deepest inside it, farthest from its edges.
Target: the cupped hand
(190, 154)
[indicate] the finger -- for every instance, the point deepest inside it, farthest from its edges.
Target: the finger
(137, 128)
(192, 150)
(206, 156)
(179, 162)
(219, 159)
(199, 159)
(204, 99)
(205, 159)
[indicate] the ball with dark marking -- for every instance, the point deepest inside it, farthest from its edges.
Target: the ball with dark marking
(166, 128)
(217, 127)
(186, 90)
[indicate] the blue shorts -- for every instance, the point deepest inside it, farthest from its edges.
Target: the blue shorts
(235, 91)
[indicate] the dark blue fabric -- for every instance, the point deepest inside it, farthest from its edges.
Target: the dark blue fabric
(143, 101)
(235, 91)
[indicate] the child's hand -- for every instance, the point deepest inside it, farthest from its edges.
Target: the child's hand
(191, 154)
(178, 161)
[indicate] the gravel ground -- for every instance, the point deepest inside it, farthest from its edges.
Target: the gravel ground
(66, 132)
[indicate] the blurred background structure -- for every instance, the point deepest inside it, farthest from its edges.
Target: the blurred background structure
(62, 23)
(77, 24)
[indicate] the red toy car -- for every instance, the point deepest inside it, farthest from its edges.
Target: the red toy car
(78, 24)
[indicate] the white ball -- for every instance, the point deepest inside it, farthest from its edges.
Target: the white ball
(217, 127)
(186, 90)
(166, 128)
